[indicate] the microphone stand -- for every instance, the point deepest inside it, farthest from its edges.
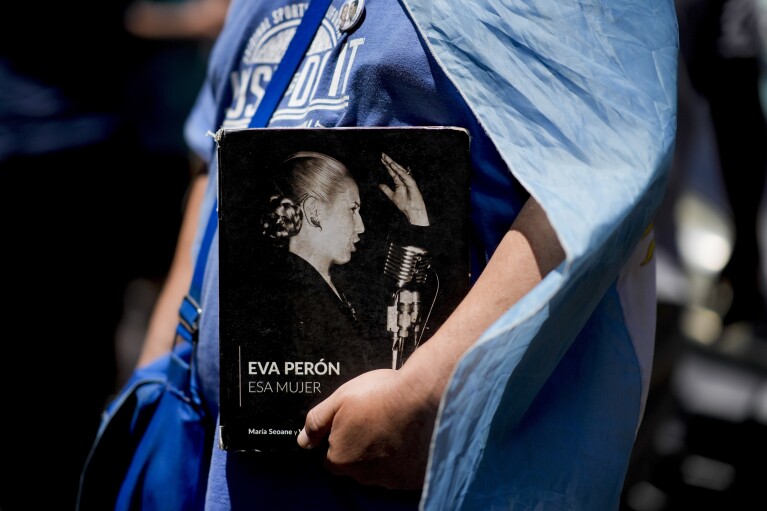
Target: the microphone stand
(407, 266)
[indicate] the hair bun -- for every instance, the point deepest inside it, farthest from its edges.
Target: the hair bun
(283, 218)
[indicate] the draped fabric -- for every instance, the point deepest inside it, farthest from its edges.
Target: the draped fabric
(580, 100)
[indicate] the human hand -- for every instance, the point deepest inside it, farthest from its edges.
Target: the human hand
(378, 429)
(406, 195)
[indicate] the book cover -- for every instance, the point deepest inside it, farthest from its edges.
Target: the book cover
(341, 250)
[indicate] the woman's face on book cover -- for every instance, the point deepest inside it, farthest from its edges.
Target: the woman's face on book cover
(342, 223)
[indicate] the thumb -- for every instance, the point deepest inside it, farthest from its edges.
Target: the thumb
(318, 423)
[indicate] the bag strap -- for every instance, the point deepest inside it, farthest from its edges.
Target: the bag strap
(297, 48)
(189, 311)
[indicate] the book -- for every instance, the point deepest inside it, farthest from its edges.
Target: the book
(341, 250)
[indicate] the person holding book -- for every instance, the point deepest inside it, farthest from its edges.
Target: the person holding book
(530, 394)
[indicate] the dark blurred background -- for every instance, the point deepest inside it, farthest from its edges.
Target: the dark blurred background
(94, 173)
(703, 440)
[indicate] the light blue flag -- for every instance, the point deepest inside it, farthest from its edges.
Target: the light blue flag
(580, 99)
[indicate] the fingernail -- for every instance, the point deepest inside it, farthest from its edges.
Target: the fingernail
(303, 440)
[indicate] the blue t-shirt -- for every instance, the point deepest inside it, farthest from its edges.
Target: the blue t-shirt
(379, 73)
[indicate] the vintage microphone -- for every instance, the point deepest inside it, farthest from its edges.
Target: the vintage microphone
(407, 267)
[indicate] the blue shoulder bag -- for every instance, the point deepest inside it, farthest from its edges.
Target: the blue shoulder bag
(152, 450)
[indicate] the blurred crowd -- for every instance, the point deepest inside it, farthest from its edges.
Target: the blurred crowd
(94, 174)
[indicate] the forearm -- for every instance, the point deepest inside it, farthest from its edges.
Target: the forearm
(162, 324)
(194, 19)
(378, 425)
(528, 251)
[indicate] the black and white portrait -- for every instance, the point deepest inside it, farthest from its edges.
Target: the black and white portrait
(346, 246)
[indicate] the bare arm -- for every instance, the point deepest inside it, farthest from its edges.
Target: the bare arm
(379, 424)
(162, 324)
(193, 19)
(528, 251)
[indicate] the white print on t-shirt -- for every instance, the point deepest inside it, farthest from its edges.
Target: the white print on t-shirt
(304, 95)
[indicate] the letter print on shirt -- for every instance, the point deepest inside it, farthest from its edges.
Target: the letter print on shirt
(319, 85)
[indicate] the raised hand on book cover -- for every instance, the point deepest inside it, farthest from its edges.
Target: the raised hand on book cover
(406, 195)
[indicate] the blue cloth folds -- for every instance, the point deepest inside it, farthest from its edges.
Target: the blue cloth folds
(580, 100)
